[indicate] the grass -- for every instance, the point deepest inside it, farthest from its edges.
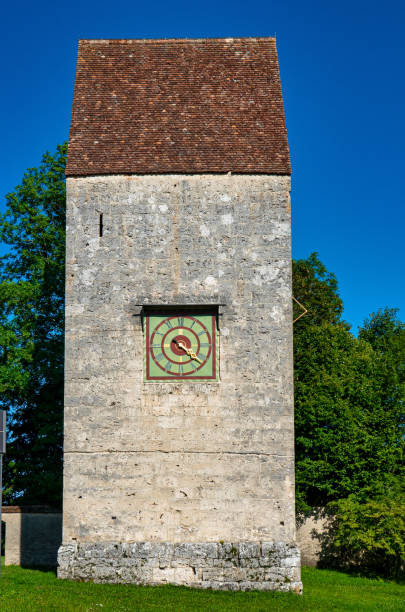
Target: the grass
(34, 590)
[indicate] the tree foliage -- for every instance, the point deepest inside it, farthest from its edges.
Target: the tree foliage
(386, 334)
(368, 535)
(31, 331)
(317, 290)
(349, 405)
(347, 431)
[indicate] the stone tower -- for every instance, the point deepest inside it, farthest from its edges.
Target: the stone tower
(178, 458)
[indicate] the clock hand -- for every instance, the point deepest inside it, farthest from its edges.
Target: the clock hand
(188, 351)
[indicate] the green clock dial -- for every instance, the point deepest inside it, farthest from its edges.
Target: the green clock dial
(181, 347)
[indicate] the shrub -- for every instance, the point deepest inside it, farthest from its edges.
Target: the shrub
(367, 535)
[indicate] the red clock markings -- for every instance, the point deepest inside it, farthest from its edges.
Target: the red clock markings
(181, 352)
(161, 335)
(174, 344)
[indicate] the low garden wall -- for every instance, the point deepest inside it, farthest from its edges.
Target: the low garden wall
(309, 537)
(33, 535)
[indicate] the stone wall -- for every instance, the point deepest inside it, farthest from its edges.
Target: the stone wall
(241, 566)
(178, 462)
(33, 535)
(310, 534)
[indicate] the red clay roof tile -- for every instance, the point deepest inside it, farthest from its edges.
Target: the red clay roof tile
(178, 106)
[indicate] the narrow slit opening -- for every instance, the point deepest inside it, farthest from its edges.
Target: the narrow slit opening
(101, 225)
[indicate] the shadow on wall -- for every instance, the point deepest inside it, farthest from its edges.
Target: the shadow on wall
(312, 534)
(33, 536)
(41, 536)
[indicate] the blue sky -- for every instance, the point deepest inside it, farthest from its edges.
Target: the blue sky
(342, 72)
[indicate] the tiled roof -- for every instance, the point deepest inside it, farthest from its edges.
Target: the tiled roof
(178, 106)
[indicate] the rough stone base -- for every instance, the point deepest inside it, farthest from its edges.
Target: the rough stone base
(241, 566)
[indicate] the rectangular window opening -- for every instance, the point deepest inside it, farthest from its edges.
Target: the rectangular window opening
(100, 227)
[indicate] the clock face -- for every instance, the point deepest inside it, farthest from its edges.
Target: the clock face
(181, 347)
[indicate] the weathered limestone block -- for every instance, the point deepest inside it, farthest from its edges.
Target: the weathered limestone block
(186, 564)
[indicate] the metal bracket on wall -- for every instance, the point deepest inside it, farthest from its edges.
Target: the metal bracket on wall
(301, 306)
(141, 310)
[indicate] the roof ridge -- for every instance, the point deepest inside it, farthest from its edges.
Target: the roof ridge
(178, 40)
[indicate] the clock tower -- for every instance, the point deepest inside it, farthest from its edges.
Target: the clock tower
(179, 428)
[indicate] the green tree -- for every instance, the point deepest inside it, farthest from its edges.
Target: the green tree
(316, 289)
(368, 534)
(349, 394)
(349, 404)
(346, 434)
(31, 331)
(386, 334)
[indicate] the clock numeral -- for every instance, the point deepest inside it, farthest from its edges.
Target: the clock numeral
(157, 346)
(194, 365)
(159, 333)
(192, 325)
(201, 356)
(181, 321)
(204, 344)
(201, 333)
(168, 366)
(159, 357)
(181, 369)
(168, 324)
